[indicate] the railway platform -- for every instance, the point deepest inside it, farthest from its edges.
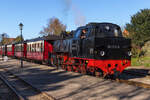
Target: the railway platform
(64, 85)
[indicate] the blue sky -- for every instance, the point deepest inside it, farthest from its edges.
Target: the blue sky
(34, 14)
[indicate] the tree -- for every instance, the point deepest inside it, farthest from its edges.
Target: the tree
(2, 36)
(54, 27)
(139, 28)
(18, 38)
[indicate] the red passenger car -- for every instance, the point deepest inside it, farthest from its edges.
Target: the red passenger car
(18, 52)
(3, 50)
(39, 49)
(10, 50)
(0, 50)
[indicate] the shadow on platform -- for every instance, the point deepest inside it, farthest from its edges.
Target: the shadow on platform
(53, 80)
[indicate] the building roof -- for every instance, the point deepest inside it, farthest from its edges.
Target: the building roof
(47, 38)
(8, 40)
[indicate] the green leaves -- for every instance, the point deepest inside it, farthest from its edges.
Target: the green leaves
(18, 38)
(139, 28)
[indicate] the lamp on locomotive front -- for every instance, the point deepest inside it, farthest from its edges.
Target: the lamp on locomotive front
(21, 27)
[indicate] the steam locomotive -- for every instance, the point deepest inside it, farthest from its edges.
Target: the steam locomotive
(103, 51)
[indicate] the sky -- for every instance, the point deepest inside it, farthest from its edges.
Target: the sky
(34, 14)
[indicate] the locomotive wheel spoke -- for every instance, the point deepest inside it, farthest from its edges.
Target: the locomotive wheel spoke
(92, 71)
(105, 76)
(79, 69)
(97, 74)
(83, 70)
(66, 67)
(71, 68)
(63, 66)
(76, 68)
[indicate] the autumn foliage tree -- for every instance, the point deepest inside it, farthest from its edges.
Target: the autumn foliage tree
(54, 27)
(2, 36)
(19, 38)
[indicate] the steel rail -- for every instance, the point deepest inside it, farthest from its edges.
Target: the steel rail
(3, 78)
(136, 73)
(134, 83)
(49, 97)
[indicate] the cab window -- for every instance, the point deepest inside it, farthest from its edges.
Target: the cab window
(77, 34)
(89, 32)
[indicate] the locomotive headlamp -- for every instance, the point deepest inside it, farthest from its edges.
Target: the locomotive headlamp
(116, 32)
(102, 53)
(129, 53)
(107, 27)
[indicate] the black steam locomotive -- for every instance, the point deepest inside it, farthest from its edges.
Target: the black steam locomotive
(98, 48)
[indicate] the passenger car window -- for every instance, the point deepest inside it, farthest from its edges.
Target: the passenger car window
(41, 47)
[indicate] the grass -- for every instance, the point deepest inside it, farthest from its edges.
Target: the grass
(143, 61)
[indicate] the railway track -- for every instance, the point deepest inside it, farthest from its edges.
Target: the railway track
(135, 83)
(136, 73)
(22, 89)
(16, 95)
(131, 82)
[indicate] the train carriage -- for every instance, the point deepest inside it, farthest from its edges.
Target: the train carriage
(4, 50)
(39, 49)
(0, 49)
(10, 50)
(18, 51)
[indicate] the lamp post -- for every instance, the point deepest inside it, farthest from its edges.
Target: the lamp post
(21, 27)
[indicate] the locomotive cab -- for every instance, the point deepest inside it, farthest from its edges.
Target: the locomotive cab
(82, 43)
(102, 41)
